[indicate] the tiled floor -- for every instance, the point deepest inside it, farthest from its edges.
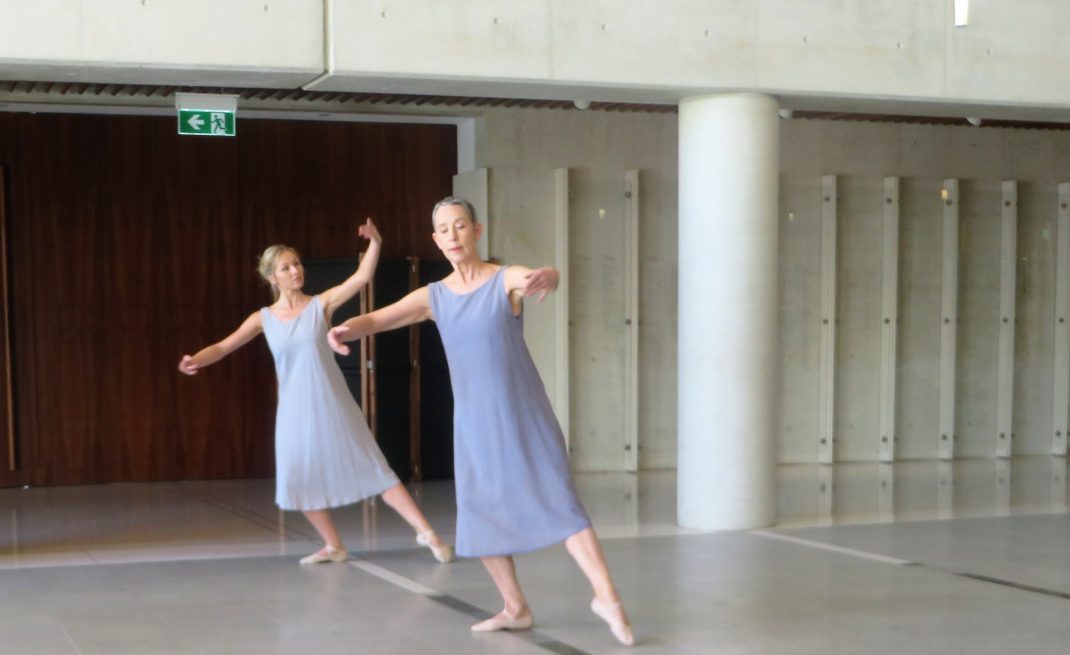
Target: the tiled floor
(920, 557)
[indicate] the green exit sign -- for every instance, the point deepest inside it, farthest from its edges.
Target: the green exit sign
(206, 122)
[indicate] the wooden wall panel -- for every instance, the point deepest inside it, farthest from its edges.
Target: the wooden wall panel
(393, 173)
(131, 246)
(9, 460)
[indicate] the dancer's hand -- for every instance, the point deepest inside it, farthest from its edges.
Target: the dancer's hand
(540, 282)
(369, 231)
(187, 366)
(334, 338)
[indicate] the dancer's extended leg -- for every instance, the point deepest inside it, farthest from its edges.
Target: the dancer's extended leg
(587, 551)
(517, 614)
(333, 551)
(324, 524)
(398, 498)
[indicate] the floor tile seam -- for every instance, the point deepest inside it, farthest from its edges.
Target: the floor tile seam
(534, 637)
(7, 568)
(977, 577)
(70, 640)
(392, 577)
(1053, 593)
(198, 556)
(93, 554)
(137, 562)
(840, 522)
(252, 516)
(268, 523)
(63, 556)
(195, 554)
(201, 544)
(677, 532)
(818, 545)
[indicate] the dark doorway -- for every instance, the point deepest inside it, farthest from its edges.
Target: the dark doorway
(409, 404)
(436, 394)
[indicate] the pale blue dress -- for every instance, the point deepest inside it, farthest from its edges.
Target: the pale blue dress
(325, 455)
(514, 488)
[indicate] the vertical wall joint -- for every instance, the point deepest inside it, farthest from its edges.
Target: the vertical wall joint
(949, 298)
(561, 302)
(827, 385)
(889, 317)
(1061, 381)
(631, 422)
(1007, 284)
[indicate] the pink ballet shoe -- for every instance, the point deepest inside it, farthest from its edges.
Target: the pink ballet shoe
(505, 622)
(326, 554)
(443, 552)
(613, 614)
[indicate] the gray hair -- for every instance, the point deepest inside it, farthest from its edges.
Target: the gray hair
(266, 267)
(450, 201)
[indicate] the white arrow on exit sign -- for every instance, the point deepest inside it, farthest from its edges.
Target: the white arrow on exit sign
(196, 122)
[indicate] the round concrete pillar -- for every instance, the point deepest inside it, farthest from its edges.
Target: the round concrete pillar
(728, 336)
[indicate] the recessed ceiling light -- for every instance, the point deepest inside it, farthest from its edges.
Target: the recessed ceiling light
(962, 13)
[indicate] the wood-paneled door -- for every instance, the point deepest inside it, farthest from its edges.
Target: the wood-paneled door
(10, 470)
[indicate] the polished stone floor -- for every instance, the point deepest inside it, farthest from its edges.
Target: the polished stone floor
(917, 557)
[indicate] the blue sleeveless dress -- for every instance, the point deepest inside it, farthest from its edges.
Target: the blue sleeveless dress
(514, 488)
(325, 455)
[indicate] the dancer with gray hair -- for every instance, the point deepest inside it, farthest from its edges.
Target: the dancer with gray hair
(325, 455)
(514, 488)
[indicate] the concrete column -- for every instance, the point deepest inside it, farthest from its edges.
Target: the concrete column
(727, 311)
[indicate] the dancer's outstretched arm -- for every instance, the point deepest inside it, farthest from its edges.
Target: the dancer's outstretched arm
(536, 282)
(335, 297)
(413, 308)
(251, 327)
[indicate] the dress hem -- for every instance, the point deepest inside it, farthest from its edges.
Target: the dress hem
(531, 549)
(333, 505)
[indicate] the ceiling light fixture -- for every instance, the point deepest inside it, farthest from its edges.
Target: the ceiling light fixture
(962, 13)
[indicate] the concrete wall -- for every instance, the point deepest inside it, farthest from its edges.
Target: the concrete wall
(861, 154)
(524, 145)
(521, 148)
(522, 232)
(895, 55)
(200, 42)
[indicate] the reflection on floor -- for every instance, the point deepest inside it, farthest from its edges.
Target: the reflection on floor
(917, 557)
(919, 490)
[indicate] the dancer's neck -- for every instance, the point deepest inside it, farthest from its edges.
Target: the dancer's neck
(471, 272)
(291, 299)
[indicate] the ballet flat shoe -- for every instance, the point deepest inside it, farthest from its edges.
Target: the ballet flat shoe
(443, 553)
(504, 622)
(326, 554)
(622, 631)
